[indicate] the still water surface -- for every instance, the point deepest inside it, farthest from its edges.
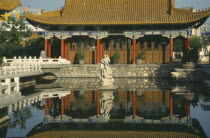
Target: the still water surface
(142, 106)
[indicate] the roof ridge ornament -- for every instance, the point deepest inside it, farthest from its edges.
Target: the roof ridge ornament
(171, 6)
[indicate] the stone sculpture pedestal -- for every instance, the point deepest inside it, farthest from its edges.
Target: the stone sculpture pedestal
(106, 84)
(106, 79)
(108, 88)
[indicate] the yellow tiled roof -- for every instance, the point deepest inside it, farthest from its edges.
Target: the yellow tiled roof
(9, 5)
(118, 12)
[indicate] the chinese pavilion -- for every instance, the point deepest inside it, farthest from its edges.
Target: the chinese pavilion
(127, 26)
(8, 5)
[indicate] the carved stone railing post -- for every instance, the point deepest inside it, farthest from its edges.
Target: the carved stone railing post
(0, 72)
(17, 81)
(8, 83)
(0, 88)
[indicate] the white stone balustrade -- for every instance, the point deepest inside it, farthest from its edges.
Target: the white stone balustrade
(8, 87)
(19, 69)
(7, 73)
(30, 60)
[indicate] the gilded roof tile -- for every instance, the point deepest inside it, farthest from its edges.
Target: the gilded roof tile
(9, 5)
(118, 12)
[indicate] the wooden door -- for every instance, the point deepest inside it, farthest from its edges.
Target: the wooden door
(155, 53)
(73, 50)
(122, 46)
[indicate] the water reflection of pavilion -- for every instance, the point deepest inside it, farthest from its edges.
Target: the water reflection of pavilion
(128, 106)
(155, 113)
(205, 105)
(130, 109)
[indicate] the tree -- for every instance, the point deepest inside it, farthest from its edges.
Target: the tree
(195, 47)
(205, 43)
(12, 32)
(20, 116)
(33, 47)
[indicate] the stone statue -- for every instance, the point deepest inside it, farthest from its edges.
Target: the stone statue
(106, 72)
(106, 104)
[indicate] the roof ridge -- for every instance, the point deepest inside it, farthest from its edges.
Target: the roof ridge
(119, 12)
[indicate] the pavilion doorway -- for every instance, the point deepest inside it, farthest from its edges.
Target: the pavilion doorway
(156, 49)
(119, 44)
(88, 45)
(179, 44)
(56, 47)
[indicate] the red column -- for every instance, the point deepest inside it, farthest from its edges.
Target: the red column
(134, 51)
(187, 108)
(49, 49)
(98, 61)
(171, 49)
(62, 105)
(101, 52)
(171, 110)
(134, 103)
(46, 46)
(62, 48)
(98, 106)
(46, 107)
(49, 104)
(66, 102)
(66, 50)
(187, 46)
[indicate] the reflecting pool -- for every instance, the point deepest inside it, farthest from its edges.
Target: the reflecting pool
(67, 107)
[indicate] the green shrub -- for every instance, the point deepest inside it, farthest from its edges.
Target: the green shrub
(115, 56)
(141, 55)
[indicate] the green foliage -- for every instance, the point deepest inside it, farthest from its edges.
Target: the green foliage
(116, 97)
(34, 47)
(56, 50)
(195, 47)
(81, 101)
(115, 56)
(178, 45)
(12, 33)
(18, 31)
(141, 99)
(141, 55)
(81, 54)
(205, 40)
(1, 60)
(20, 116)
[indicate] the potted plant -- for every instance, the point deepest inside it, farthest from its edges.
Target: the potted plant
(115, 57)
(140, 56)
(81, 56)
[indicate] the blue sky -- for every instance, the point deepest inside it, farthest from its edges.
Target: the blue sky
(51, 5)
(57, 4)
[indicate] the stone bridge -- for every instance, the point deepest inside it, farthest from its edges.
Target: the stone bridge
(10, 76)
(48, 65)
